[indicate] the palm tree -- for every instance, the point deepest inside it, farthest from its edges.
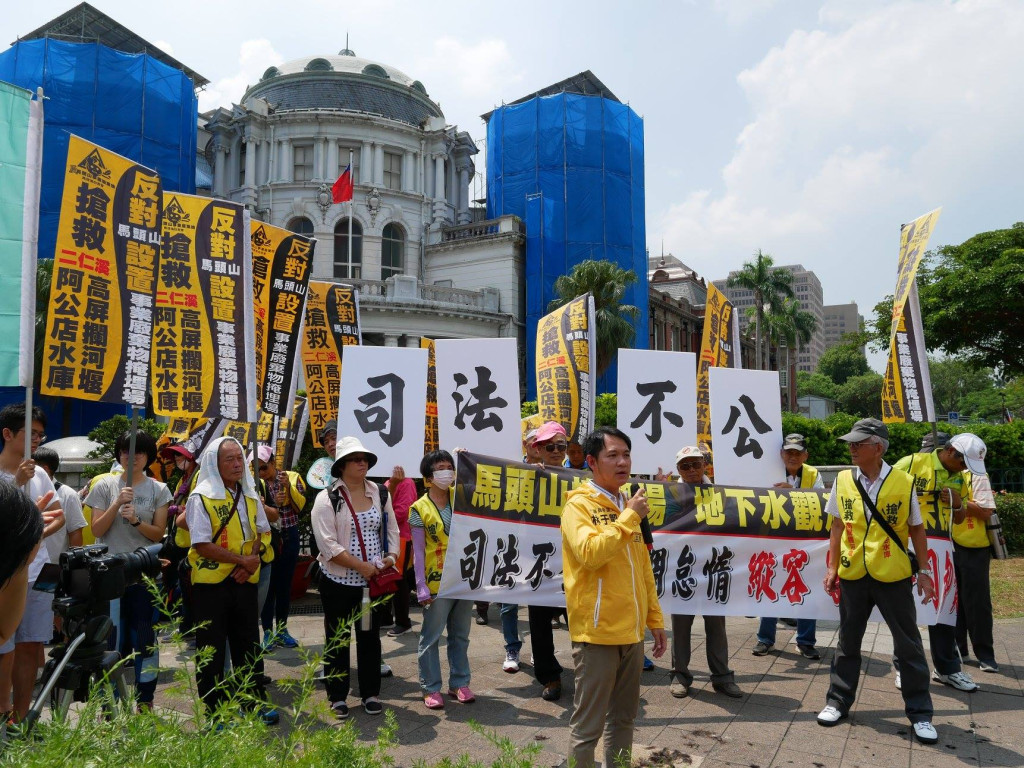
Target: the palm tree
(790, 327)
(769, 284)
(606, 282)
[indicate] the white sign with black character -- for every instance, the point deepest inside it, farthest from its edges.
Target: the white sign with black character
(478, 395)
(746, 427)
(382, 402)
(657, 405)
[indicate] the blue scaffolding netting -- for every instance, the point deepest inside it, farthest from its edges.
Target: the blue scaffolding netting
(572, 167)
(131, 104)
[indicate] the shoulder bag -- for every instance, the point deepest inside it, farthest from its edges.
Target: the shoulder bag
(384, 582)
(880, 518)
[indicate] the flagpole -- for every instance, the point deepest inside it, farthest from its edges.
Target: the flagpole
(351, 213)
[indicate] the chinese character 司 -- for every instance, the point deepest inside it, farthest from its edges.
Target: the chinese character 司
(480, 400)
(655, 391)
(376, 418)
(744, 444)
(471, 567)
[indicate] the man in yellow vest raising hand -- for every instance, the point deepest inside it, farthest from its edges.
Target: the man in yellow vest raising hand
(872, 569)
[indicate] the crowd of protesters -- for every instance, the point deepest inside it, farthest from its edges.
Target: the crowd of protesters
(233, 541)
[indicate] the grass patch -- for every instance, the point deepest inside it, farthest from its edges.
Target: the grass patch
(1008, 588)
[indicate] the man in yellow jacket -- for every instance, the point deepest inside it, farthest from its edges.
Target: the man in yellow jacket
(871, 570)
(611, 600)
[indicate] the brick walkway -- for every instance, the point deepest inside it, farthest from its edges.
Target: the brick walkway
(773, 725)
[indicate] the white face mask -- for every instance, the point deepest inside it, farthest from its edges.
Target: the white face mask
(443, 478)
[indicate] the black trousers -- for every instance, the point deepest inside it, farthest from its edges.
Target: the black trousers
(226, 614)
(895, 601)
(974, 601)
(545, 666)
(341, 604)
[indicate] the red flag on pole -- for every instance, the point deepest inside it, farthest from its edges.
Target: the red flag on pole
(341, 192)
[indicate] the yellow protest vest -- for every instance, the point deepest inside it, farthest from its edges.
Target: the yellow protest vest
(231, 538)
(435, 537)
(808, 476)
(867, 550)
(930, 477)
(971, 532)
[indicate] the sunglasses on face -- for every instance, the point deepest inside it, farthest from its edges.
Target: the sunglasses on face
(686, 466)
(556, 447)
(359, 459)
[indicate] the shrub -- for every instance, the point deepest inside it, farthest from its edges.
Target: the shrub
(106, 433)
(1010, 508)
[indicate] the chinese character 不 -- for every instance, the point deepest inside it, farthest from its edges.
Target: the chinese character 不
(540, 571)
(655, 391)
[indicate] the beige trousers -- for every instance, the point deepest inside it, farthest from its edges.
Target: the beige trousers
(606, 701)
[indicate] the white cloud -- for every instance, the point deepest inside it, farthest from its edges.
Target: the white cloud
(164, 46)
(477, 70)
(253, 59)
(892, 111)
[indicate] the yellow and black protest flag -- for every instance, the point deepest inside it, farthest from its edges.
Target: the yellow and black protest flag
(332, 323)
(291, 432)
(431, 435)
(565, 378)
(907, 389)
(718, 348)
(100, 319)
(242, 430)
(202, 311)
(281, 265)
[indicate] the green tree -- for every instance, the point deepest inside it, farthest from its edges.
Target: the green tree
(106, 433)
(842, 361)
(954, 381)
(966, 295)
(607, 283)
(769, 284)
(862, 395)
(815, 384)
(789, 328)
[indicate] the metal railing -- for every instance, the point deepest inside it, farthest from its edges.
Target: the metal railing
(486, 228)
(1010, 480)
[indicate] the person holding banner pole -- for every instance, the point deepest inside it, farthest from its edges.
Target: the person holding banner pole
(690, 465)
(611, 598)
(868, 572)
(799, 474)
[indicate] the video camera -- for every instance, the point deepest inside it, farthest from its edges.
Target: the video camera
(90, 577)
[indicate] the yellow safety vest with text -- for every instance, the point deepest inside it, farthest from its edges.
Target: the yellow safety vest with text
(231, 538)
(971, 532)
(866, 549)
(808, 476)
(930, 477)
(435, 538)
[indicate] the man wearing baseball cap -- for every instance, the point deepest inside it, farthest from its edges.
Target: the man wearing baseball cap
(799, 474)
(942, 492)
(329, 437)
(690, 465)
(874, 571)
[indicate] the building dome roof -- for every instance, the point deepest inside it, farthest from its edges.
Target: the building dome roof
(345, 81)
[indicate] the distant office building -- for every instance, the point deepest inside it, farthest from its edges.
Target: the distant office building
(806, 290)
(840, 319)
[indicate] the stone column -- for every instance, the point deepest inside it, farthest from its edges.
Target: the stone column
(220, 153)
(378, 165)
(250, 162)
(412, 341)
(332, 161)
(365, 165)
(439, 177)
(391, 339)
(463, 192)
(318, 159)
(287, 164)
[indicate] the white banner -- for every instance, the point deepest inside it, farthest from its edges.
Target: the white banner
(478, 395)
(657, 405)
(746, 427)
(382, 401)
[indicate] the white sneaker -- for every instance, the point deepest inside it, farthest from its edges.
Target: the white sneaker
(959, 680)
(830, 716)
(511, 664)
(925, 732)
(385, 670)
(899, 682)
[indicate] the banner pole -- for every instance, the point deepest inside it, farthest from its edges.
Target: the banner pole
(130, 469)
(28, 422)
(351, 214)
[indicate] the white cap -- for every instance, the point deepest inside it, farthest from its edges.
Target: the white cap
(973, 449)
(689, 452)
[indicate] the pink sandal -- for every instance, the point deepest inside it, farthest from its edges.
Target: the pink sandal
(434, 700)
(462, 695)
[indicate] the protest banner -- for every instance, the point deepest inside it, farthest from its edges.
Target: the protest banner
(266, 430)
(291, 432)
(565, 359)
(478, 395)
(382, 402)
(281, 265)
(718, 550)
(657, 405)
(332, 323)
(431, 437)
(201, 434)
(746, 427)
(204, 291)
(99, 323)
(907, 387)
(719, 348)
(21, 160)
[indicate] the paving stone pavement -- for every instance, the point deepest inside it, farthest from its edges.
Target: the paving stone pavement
(772, 725)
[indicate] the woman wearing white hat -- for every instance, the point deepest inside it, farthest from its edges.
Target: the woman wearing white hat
(357, 536)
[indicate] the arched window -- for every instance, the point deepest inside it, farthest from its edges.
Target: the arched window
(343, 268)
(301, 226)
(392, 252)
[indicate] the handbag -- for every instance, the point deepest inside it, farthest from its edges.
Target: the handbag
(385, 582)
(876, 515)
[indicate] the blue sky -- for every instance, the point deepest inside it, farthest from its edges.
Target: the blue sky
(811, 130)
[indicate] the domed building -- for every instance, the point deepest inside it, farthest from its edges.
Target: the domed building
(425, 262)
